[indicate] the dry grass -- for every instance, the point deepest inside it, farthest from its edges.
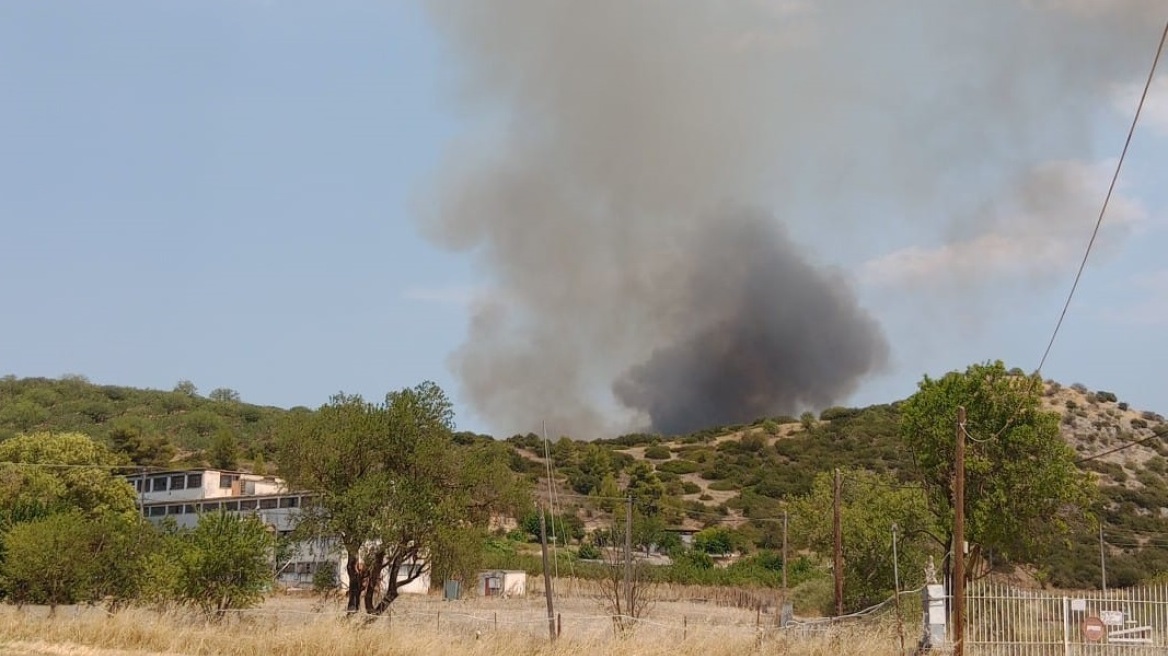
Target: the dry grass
(421, 626)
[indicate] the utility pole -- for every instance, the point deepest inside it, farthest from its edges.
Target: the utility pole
(784, 555)
(838, 565)
(959, 537)
(896, 589)
(1102, 558)
(547, 575)
(629, 557)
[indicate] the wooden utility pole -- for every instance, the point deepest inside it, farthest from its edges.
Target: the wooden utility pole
(629, 557)
(959, 537)
(838, 565)
(784, 555)
(896, 589)
(547, 575)
(1102, 558)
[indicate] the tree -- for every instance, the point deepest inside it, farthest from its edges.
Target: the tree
(224, 395)
(394, 489)
(43, 473)
(870, 505)
(224, 452)
(223, 563)
(137, 439)
(45, 561)
(1022, 487)
(186, 388)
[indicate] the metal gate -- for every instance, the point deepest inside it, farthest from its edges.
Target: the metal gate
(1003, 620)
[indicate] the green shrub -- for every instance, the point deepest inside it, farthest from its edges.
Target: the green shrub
(689, 487)
(678, 467)
(658, 452)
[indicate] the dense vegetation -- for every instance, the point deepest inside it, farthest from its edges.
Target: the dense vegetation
(730, 484)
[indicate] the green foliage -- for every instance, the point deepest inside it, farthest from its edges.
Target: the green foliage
(68, 558)
(678, 467)
(149, 426)
(224, 395)
(43, 473)
(223, 563)
(658, 452)
(134, 437)
(224, 451)
(45, 561)
(719, 541)
(1022, 485)
(870, 505)
(393, 486)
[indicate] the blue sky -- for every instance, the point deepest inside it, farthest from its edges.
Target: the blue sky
(224, 192)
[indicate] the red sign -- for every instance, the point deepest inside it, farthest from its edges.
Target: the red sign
(1093, 629)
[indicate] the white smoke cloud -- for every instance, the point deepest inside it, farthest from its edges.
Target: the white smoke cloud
(1038, 233)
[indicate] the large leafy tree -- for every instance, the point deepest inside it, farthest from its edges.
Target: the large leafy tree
(1022, 485)
(393, 488)
(870, 505)
(41, 473)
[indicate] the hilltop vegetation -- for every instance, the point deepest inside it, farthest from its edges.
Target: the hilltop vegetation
(150, 427)
(731, 484)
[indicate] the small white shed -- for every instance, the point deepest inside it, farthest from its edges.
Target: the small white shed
(503, 583)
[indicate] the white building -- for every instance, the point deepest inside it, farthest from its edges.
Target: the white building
(184, 495)
(503, 583)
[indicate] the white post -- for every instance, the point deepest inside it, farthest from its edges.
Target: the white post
(1066, 626)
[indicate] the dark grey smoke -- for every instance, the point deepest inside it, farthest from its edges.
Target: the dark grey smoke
(612, 135)
(767, 334)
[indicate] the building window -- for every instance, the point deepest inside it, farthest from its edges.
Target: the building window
(190, 509)
(211, 507)
(247, 505)
(157, 511)
(267, 504)
(174, 510)
(137, 485)
(231, 506)
(160, 484)
(178, 482)
(194, 480)
(289, 502)
(226, 480)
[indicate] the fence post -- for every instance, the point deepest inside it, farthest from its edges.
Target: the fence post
(684, 627)
(1066, 627)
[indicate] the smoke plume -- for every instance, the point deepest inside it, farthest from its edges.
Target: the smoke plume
(611, 192)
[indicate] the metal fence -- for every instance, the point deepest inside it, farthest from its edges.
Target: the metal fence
(1004, 620)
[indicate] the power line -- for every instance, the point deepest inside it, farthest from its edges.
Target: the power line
(1106, 199)
(1127, 445)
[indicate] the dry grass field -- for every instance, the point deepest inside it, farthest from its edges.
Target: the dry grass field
(482, 627)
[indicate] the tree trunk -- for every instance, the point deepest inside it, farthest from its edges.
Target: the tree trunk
(388, 599)
(374, 582)
(356, 582)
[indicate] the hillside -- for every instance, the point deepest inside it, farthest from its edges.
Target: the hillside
(153, 427)
(739, 477)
